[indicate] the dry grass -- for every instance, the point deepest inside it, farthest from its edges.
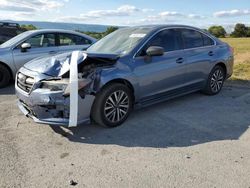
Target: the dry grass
(242, 58)
(240, 45)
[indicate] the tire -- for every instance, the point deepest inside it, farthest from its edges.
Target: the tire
(112, 105)
(215, 81)
(5, 76)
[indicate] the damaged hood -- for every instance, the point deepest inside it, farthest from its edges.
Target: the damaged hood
(58, 65)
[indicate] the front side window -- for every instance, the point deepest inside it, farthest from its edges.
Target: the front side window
(69, 39)
(192, 38)
(168, 39)
(42, 40)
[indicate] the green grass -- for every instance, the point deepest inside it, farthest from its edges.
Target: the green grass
(242, 58)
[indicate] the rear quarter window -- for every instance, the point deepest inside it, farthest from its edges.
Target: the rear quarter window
(207, 40)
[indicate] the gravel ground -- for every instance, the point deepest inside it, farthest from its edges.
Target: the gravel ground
(193, 141)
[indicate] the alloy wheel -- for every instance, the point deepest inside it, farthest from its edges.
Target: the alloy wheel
(116, 106)
(217, 80)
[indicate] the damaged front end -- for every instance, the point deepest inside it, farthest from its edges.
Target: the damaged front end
(43, 87)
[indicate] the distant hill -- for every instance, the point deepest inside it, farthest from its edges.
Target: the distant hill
(60, 25)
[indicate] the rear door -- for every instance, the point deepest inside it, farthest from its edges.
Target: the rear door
(199, 50)
(71, 42)
(41, 45)
(159, 74)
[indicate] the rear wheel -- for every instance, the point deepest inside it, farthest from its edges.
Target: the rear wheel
(215, 81)
(5, 76)
(112, 105)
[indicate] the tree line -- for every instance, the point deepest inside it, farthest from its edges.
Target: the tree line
(240, 30)
(97, 35)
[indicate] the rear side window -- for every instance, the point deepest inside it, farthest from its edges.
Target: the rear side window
(192, 38)
(69, 39)
(168, 39)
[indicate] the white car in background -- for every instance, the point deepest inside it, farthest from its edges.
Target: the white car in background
(32, 44)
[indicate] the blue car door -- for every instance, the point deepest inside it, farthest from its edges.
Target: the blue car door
(200, 53)
(159, 75)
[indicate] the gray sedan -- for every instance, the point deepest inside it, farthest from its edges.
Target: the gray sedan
(132, 67)
(32, 44)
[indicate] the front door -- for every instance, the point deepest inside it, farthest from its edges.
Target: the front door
(41, 45)
(159, 74)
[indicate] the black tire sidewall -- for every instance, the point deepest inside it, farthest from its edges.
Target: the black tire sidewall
(100, 102)
(6, 76)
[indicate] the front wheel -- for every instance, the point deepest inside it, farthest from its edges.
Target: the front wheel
(112, 105)
(215, 81)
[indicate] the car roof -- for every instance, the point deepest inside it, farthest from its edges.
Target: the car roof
(161, 26)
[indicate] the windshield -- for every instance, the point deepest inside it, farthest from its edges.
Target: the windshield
(120, 42)
(15, 39)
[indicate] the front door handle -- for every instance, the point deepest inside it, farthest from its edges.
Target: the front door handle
(211, 53)
(180, 60)
(52, 52)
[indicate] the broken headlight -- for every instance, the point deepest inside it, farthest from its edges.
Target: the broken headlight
(63, 85)
(55, 85)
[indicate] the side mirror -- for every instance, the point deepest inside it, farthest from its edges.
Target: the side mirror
(155, 51)
(25, 46)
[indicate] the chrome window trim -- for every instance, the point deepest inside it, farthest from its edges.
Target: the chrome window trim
(215, 42)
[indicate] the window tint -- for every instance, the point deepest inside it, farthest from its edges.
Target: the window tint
(168, 39)
(192, 38)
(68, 39)
(207, 40)
(42, 40)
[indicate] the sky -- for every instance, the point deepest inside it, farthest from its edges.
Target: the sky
(200, 13)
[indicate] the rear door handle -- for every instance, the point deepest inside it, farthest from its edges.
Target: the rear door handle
(52, 52)
(180, 60)
(211, 53)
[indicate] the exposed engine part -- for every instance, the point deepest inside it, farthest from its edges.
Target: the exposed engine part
(91, 70)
